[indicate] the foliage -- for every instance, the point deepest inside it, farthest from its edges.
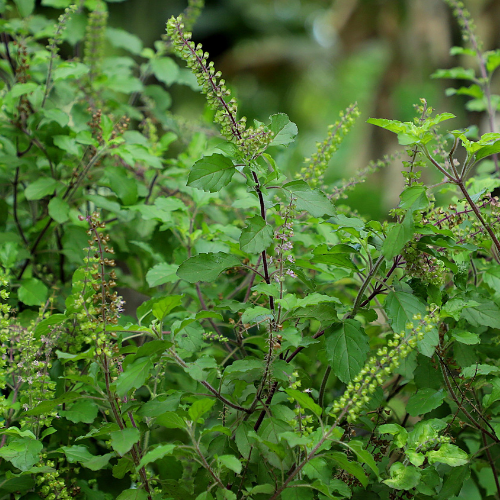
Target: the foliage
(286, 348)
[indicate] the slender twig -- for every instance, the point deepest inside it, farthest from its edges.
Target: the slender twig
(216, 393)
(323, 385)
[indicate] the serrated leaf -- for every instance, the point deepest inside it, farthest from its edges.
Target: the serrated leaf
(206, 266)
(123, 440)
(403, 477)
(163, 306)
(99, 462)
(305, 401)
(256, 236)
(346, 347)
(283, 129)
(351, 467)
(400, 433)
(295, 492)
(59, 210)
(121, 39)
(165, 69)
(448, 454)
(487, 151)
(414, 198)
(156, 454)
(70, 70)
(22, 452)
(41, 188)
(161, 274)
(310, 200)
(392, 125)
(32, 292)
(211, 173)
(455, 73)
(400, 308)
(486, 313)
(133, 494)
(76, 453)
(25, 7)
(82, 411)
(67, 144)
(424, 401)
(231, 462)
(398, 236)
(171, 420)
(133, 377)
(199, 408)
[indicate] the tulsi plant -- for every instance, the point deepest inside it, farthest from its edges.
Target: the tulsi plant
(282, 346)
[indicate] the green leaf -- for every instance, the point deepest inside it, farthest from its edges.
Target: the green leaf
(43, 327)
(163, 306)
(165, 69)
(392, 125)
(206, 266)
(121, 39)
(70, 70)
(305, 401)
(486, 313)
(156, 454)
(465, 337)
(310, 200)
(454, 73)
(134, 376)
(256, 236)
(22, 452)
(40, 188)
(400, 308)
(25, 7)
(59, 210)
(231, 462)
(400, 433)
(76, 453)
(424, 401)
(161, 274)
(134, 494)
(99, 462)
(403, 477)
(346, 347)
(20, 89)
(295, 492)
(33, 292)
(84, 411)
(487, 151)
(47, 406)
(414, 198)
(124, 187)
(284, 131)
(363, 456)
(67, 144)
(156, 407)
(448, 454)
(398, 236)
(190, 338)
(123, 440)
(453, 482)
(171, 420)
(351, 467)
(200, 407)
(211, 173)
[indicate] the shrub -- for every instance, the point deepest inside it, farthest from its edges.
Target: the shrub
(288, 348)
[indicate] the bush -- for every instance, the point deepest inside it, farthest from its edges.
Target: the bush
(288, 348)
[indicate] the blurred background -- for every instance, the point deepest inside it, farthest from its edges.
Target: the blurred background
(312, 58)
